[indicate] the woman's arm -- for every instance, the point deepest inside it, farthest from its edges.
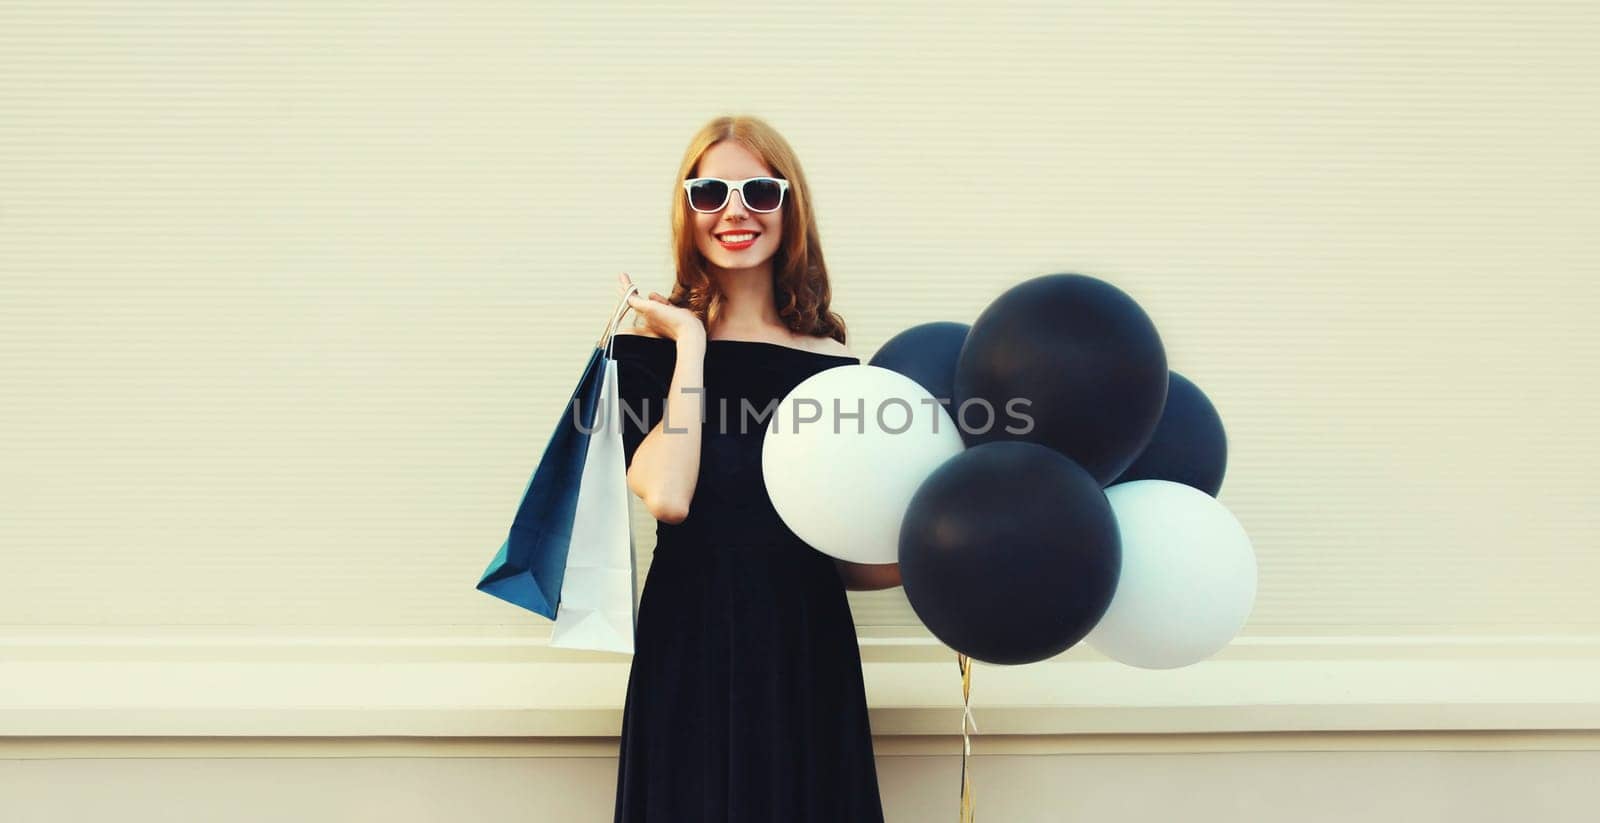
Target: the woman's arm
(667, 462)
(868, 576)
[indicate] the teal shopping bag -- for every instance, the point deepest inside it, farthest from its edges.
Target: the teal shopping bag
(531, 564)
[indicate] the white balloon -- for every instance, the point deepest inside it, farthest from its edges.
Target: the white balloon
(843, 484)
(1188, 579)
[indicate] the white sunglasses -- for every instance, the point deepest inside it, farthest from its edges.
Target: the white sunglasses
(710, 194)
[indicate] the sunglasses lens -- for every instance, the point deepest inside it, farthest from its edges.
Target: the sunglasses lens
(708, 195)
(763, 194)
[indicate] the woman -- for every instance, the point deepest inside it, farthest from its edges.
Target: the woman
(745, 700)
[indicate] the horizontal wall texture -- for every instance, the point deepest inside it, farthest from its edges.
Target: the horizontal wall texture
(291, 295)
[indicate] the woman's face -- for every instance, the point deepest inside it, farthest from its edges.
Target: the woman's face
(732, 161)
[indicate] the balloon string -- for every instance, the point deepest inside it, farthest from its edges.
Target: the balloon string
(968, 803)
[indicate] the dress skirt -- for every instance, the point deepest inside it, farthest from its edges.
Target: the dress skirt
(745, 702)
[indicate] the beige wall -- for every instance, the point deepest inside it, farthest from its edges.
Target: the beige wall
(290, 296)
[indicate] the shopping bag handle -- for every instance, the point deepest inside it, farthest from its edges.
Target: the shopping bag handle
(610, 334)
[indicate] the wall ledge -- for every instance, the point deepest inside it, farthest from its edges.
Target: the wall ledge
(189, 685)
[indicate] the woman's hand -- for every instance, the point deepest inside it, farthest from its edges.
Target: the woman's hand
(866, 577)
(661, 317)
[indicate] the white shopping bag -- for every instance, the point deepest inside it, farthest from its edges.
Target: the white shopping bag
(598, 594)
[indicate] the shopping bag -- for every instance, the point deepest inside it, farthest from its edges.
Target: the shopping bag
(598, 593)
(531, 564)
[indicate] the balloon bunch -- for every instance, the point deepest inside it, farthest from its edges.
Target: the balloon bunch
(1040, 476)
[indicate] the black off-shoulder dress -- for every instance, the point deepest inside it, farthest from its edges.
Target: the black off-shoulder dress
(745, 700)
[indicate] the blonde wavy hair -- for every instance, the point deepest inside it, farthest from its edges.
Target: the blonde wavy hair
(799, 276)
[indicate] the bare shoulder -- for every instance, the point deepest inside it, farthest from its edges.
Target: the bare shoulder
(828, 345)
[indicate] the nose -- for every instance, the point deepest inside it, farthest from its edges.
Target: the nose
(734, 196)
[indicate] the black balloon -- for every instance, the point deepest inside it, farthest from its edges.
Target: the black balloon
(1189, 445)
(1009, 552)
(1084, 354)
(926, 354)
